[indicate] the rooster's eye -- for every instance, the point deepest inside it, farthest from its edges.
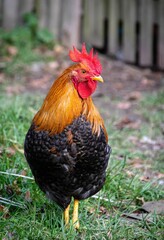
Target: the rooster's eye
(83, 71)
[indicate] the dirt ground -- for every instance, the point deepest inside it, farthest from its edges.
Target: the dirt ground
(123, 84)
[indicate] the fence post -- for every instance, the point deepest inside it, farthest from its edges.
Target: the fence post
(54, 17)
(1, 11)
(129, 30)
(146, 33)
(113, 18)
(42, 11)
(93, 22)
(88, 21)
(10, 14)
(161, 35)
(70, 24)
(49, 13)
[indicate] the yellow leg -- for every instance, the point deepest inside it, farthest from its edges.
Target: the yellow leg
(75, 214)
(66, 215)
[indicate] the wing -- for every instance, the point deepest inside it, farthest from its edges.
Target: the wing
(71, 163)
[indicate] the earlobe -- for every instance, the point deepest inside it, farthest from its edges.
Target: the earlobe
(74, 73)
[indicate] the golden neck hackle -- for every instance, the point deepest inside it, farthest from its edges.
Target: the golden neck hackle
(63, 104)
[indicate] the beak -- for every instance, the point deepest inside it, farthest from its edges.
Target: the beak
(98, 78)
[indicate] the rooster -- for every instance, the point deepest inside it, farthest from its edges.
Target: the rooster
(66, 146)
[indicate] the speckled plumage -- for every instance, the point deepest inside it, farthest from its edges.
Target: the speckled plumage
(69, 164)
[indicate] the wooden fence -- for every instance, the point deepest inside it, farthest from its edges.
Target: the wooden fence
(130, 30)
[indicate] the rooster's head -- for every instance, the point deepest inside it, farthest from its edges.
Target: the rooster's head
(86, 74)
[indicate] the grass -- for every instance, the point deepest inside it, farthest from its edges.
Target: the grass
(100, 218)
(19, 45)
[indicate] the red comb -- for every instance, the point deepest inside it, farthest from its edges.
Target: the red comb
(85, 57)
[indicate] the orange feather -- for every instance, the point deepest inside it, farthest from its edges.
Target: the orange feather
(63, 104)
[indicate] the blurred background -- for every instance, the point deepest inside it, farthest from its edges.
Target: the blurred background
(130, 30)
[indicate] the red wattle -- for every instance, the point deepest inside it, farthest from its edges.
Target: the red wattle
(85, 89)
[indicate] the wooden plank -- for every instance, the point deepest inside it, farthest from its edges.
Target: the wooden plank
(129, 34)
(10, 14)
(88, 21)
(1, 5)
(146, 33)
(98, 23)
(93, 22)
(54, 18)
(42, 11)
(70, 25)
(25, 7)
(113, 18)
(161, 35)
(156, 11)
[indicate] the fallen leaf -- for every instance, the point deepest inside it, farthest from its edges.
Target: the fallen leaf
(138, 165)
(154, 206)
(53, 65)
(104, 211)
(127, 122)
(160, 175)
(5, 211)
(23, 173)
(9, 190)
(133, 96)
(16, 188)
(2, 77)
(10, 90)
(139, 216)
(28, 196)
(118, 85)
(10, 151)
(124, 105)
(147, 82)
(6, 215)
(19, 149)
(133, 139)
(135, 161)
(140, 200)
(2, 208)
(134, 125)
(109, 234)
(40, 82)
(146, 139)
(130, 173)
(91, 210)
(1, 150)
(12, 50)
(36, 67)
(58, 49)
(145, 178)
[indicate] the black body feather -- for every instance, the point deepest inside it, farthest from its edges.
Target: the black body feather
(69, 164)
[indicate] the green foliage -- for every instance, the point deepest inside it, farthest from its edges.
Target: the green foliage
(24, 39)
(44, 36)
(39, 36)
(155, 99)
(29, 35)
(18, 37)
(31, 21)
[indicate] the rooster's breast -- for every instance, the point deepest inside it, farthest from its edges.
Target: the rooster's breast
(71, 163)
